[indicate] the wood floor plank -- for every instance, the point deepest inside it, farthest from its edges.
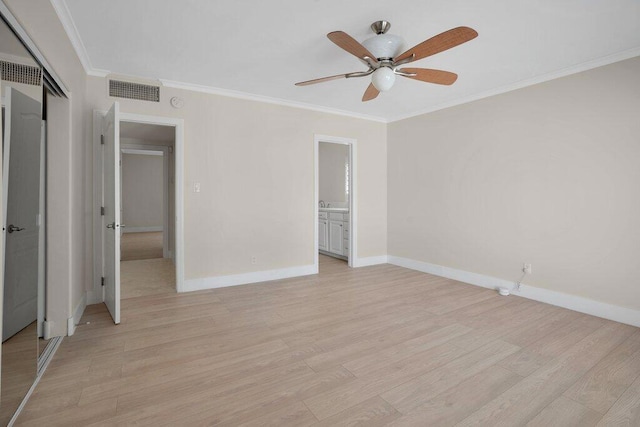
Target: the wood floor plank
(439, 351)
(522, 402)
(564, 412)
(626, 410)
(371, 413)
(372, 344)
(457, 403)
(599, 388)
(413, 393)
(296, 414)
(531, 358)
(379, 359)
(101, 411)
(501, 322)
(242, 407)
(334, 401)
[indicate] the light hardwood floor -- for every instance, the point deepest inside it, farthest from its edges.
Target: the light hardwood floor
(135, 246)
(371, 346)
(147, 277)
(143, 271)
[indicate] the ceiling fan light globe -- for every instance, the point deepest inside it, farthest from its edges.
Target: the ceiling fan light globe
(383, 79)
(385, 45)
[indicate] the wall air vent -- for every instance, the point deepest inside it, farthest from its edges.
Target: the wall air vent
(20, 73)
(129, 90)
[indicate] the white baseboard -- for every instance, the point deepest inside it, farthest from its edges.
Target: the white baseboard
(141, 229)
(47, 329)
(372, 260)
(77, 315)
(572, 302)
(246, 278)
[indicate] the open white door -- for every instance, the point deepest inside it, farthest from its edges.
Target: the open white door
(111, 167)
(21, 201)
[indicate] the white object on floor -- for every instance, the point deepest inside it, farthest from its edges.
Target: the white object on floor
(503, 291)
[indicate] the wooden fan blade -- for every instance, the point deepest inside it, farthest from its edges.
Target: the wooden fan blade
(439, 43)
(431, 76)
(370, 93)
(351, 45)
(320, 80)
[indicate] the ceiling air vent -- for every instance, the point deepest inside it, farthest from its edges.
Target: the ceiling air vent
(20, 73)
(129, 90)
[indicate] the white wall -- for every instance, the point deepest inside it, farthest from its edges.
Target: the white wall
(331, 171)
(546, 175)
(142, 191)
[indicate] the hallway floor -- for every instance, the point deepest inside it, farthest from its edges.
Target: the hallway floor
(147, 277)
(135, 246)
(143, 271)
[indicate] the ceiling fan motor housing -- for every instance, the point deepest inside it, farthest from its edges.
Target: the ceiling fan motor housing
(385, 46)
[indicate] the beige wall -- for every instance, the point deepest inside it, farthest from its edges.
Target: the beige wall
(142, 190)
(331, 173)
(256, 168)
(547, 175)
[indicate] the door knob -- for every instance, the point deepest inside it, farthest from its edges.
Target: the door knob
(13, 228)
(112, 225)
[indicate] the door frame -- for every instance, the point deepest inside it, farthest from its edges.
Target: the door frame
(96, 294)
(353, 217)
(151, 150)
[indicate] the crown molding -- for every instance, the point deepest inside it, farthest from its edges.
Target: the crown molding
(64, 15)
(574, 69)
(94, 72)
(267, 99)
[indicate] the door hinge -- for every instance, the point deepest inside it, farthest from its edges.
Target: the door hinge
(101, 139)
(102, 281)
(102, 210)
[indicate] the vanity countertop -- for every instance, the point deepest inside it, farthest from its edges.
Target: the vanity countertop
(342, 210)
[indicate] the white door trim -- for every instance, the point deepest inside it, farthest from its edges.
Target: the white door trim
(96, 295)
(155, 150)
(178, 254)
(353, 190)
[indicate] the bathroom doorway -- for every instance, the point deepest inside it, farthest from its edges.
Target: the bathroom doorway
(335, 196)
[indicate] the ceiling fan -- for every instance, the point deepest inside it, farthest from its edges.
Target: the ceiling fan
(382, 54)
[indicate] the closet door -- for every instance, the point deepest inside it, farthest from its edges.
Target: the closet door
(22, 150)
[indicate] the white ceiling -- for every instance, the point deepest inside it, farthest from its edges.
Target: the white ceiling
(262, 48)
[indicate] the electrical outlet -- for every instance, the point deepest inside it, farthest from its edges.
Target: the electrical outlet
(253, 260)
(527, 268)
(196, 187)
